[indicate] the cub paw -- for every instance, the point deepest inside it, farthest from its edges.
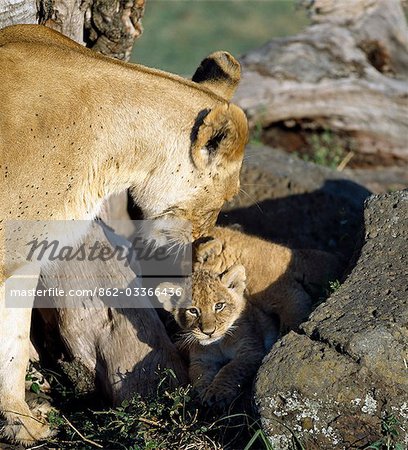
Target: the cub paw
(200, 389)
(220, 396)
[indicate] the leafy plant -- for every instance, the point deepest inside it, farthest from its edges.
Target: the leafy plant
(334, 286)
(390, 434)
(325, 149)
(256, 134)
(35, 379)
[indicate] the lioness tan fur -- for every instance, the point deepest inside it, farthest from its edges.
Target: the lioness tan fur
(280, 280)
(225, 335)
(77, 127)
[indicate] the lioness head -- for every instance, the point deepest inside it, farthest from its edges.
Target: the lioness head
(207, 308)
(202, 170)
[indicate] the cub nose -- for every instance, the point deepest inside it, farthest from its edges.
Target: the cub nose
(207, 331)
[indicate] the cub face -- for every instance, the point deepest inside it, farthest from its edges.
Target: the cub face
(208, 306)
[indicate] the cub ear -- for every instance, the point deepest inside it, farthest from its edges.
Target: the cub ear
(220, 72)
(235, 279)
(206, 250)
(218, 134)
(163, 293)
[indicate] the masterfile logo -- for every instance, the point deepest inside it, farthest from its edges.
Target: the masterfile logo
(67, 264)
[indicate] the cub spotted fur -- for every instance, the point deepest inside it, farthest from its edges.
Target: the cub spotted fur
(77, 127)
(225, 335)
(280, 280)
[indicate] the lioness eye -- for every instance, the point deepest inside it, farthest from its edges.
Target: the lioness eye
(219, 306)
(193, 311)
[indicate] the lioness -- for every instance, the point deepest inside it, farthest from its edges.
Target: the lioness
(225, 335)
(76, 127)
(280, 280)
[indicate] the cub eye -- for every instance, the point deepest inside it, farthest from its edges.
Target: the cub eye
(219, 306)
(193, 311)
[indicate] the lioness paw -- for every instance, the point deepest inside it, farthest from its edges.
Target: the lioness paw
(27, 427)
(26, 430)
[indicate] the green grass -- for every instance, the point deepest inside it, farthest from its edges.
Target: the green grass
(259, 435)
(255, 137)
(325, 148)
(178, 34)
(171, 418)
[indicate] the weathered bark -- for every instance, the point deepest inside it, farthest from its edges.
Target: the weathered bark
(348, 72)
(17, 11)
(65, 16)
(107, 26)
(112, 26)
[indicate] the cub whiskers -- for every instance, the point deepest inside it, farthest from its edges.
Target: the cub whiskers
(231, 330)
(186, 340)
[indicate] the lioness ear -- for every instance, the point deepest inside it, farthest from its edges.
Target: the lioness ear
(166, 294)
(220, 72)
(207, 250)
(217, 134)
(235, 279)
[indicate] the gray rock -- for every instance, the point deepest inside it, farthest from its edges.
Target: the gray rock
(334, 385)
(381, 179)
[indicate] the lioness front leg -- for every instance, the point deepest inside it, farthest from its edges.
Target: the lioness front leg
(21, 424)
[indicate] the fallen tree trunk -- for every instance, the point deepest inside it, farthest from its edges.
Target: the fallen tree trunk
(348, 73)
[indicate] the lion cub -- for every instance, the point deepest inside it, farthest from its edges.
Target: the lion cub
(280, 280)
(226, 336)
